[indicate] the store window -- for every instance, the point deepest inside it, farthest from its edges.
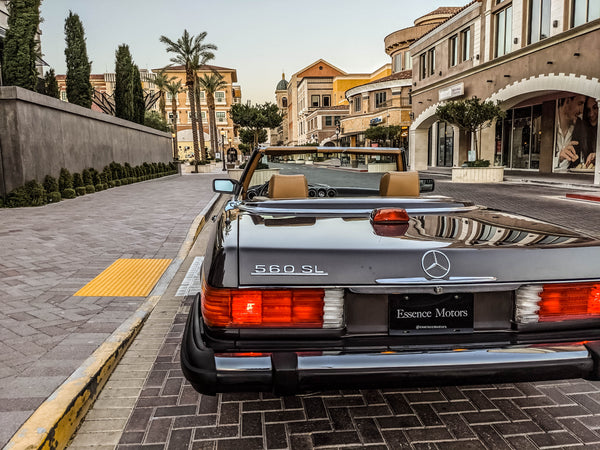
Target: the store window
(585, 11)
(465, 37)
(454, 50)
(539, 20)
(503, 21)
(445, 145)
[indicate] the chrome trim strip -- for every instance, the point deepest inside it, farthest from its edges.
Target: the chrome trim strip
(435, 281)
(440, 359)
(346, 212)
(242, 363)
(414, 360)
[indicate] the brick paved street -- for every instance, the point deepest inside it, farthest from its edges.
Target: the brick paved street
(163, 411)
(49, 252)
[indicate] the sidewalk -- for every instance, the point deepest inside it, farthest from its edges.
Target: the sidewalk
(50, 252)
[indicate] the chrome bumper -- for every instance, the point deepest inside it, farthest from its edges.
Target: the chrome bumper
(288, 372)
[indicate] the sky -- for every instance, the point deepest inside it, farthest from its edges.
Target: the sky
(261, 39)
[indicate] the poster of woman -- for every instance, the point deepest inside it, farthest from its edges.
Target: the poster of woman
(576, 131)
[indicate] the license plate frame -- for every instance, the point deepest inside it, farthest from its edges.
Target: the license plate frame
(430, 314)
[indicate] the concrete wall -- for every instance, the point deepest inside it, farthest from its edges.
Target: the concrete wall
(39, 135)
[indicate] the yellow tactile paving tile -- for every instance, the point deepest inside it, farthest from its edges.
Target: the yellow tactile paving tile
(126, 278)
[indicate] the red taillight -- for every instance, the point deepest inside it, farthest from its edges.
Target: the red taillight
(569, 301)
(391, 216)
(248, 308)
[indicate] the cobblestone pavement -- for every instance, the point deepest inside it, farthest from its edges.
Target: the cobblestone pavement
(163, 410)
(49, 252)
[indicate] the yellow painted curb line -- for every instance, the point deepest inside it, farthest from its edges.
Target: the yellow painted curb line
(53, 423)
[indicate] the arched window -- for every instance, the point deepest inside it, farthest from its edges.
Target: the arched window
(284, 102)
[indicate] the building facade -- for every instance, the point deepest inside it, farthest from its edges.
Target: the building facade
(537, 59)
(279, 135)
(384, 98)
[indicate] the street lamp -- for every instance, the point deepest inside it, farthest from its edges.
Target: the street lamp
(223, 146)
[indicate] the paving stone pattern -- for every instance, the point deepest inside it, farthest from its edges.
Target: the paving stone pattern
(50, 252)
(166, 413)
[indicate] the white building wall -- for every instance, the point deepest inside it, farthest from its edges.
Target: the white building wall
(517, 23)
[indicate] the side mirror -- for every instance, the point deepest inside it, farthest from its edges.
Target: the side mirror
(225, 185)
(426, 185)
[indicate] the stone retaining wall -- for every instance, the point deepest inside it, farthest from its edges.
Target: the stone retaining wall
(40, 134)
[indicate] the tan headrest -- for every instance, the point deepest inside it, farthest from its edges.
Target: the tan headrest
(288, 186)
(399, 184)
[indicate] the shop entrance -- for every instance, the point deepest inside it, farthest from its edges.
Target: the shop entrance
(519, 136)
(445, 145)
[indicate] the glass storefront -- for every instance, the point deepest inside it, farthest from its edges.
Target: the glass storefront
(518, 138)
(445, 146)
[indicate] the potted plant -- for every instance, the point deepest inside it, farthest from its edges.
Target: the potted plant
(473, 115)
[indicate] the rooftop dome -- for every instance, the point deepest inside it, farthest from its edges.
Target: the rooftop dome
(282, 85)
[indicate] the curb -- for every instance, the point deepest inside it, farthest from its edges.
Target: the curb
(53, 423)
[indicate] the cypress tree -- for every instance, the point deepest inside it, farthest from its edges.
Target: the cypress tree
(79, 87)
(124, 83)
(52, 89)
(20, 45)
(139, 105)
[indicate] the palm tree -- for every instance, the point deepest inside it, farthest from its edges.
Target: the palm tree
(161, 80)
(174, 88)
(199, 61)
(211, 84)
(186, 49)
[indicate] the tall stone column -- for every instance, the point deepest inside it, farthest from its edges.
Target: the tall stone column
(418, 149)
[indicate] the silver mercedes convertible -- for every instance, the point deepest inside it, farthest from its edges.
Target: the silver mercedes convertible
(336, 268)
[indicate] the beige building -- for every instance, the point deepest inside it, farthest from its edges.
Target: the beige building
(224, 98)
(538, 59)
(386, 100)
(279, 135)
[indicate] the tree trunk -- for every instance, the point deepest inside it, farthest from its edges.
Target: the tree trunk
(162, 104)
(194, 125)
(198, 118)
(212, 122)
(175, 145)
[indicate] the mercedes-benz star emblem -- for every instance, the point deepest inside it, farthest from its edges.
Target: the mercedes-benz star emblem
(435, 264)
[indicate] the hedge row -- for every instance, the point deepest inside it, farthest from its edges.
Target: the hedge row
(88, 181)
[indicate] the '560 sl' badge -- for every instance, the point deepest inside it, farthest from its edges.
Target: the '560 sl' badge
(435, 264)
(288, 269)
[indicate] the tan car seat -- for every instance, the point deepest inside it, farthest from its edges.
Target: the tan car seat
(399, 184)
(288, 186)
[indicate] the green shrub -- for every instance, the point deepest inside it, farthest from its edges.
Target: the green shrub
(95, 176)
(68, 193)
(54, 197)
(80, 190)
(124, 181)
(89, 189)
(104, 186)
(87, 177)
(117, 183)
(99, 187)
(77, 180)
(65, 180)
(478, 163)
(32, 194)
(133, 180)
(1, 202)
(50, 184)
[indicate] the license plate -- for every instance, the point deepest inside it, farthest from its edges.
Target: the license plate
(427, 314)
